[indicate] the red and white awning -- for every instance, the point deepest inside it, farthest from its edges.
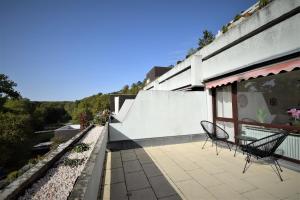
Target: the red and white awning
(286, 66)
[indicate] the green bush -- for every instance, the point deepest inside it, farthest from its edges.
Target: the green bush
(263, 3)
(224, 28)
(56, 141)
(34, 161)
(237, 17)
(12, 176)
(81, 147)
(73, 162)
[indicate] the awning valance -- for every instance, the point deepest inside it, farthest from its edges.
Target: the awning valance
(264, 71)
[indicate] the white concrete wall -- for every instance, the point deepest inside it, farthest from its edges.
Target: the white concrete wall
(275, 41)
(177, 81)
(162, 113)
(124, 109)
(278, 40)
(181, 79)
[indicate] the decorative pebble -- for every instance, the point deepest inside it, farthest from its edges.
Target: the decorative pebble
(59, 180)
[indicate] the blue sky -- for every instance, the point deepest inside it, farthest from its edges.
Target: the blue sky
(70, 49)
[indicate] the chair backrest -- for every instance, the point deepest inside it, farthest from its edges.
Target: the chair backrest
(270, 143)
(214, 131)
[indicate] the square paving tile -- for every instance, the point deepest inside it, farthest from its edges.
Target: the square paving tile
(151, 170)
(132, 166)
(235, 183)
(143, 194)
(173, 197)
(144, 158)
(128, 156)
(162, 187)
(259, 194)
(205, 179)
(113, 163)
(193, 190)
(114, 176)
(225, 192)
(136, 180)
(115, 191)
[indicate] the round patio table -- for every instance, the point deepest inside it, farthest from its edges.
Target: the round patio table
(244, 139)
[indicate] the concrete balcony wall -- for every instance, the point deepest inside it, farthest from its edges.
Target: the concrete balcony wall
(160, 114)
(277, 41)
(269, 33)
(174, 78)
(124, 110)
(175, 82)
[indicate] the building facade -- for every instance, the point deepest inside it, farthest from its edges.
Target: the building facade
(247, 81)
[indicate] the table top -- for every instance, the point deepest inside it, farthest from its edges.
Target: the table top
(246, 138)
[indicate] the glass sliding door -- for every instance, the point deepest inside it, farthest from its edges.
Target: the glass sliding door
(224, 111)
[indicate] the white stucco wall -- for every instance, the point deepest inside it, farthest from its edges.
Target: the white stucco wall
(276, 41)
(177, 81)
(162, 113)
(181, 79)
(124, 109)
(273, 42)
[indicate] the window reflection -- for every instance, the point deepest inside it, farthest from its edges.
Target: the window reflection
(273, 99)
(224, 102)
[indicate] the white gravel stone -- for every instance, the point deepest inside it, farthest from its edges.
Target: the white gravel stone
(59, 180)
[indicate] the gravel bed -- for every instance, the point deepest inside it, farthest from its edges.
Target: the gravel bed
(59, 180)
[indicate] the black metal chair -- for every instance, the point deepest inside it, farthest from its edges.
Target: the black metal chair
(265, 148)
(215, 133)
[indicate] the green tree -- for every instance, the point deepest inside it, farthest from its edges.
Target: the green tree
(206, 39)
(125, 89)
(19, 106)
(15, 130)
(7, 89)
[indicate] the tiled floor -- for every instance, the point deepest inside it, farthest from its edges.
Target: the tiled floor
(185, 171)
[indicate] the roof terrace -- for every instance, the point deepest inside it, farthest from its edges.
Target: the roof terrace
(185, 171)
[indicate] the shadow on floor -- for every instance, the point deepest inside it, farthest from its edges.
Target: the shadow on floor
(133, 175)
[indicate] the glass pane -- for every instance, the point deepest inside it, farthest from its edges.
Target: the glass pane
(224, 102)
(228, 127)
(273, 99)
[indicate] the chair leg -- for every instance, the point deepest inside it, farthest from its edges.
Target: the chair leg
(228, 146)
(217, 147)
(204, 143)
(236, 146)
(247, 161)
(278, 164)
(277, 170)
(235, 149)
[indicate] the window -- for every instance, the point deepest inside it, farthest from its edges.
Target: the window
(273, 99)
(224, 102)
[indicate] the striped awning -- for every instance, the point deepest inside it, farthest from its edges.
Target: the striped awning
(286, 66)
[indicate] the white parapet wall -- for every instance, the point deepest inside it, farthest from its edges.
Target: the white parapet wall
(269, 33)
(124, 110)
(162, 113)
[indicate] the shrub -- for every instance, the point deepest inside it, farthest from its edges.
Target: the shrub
(81, 147)
(12, 176)
(237, 17)
(263, 3)
(73, 162)
(34, 161)
(224, 28)
(56, 142)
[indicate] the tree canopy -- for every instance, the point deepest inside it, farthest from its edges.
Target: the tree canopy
(7, 87)
(206, 39)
